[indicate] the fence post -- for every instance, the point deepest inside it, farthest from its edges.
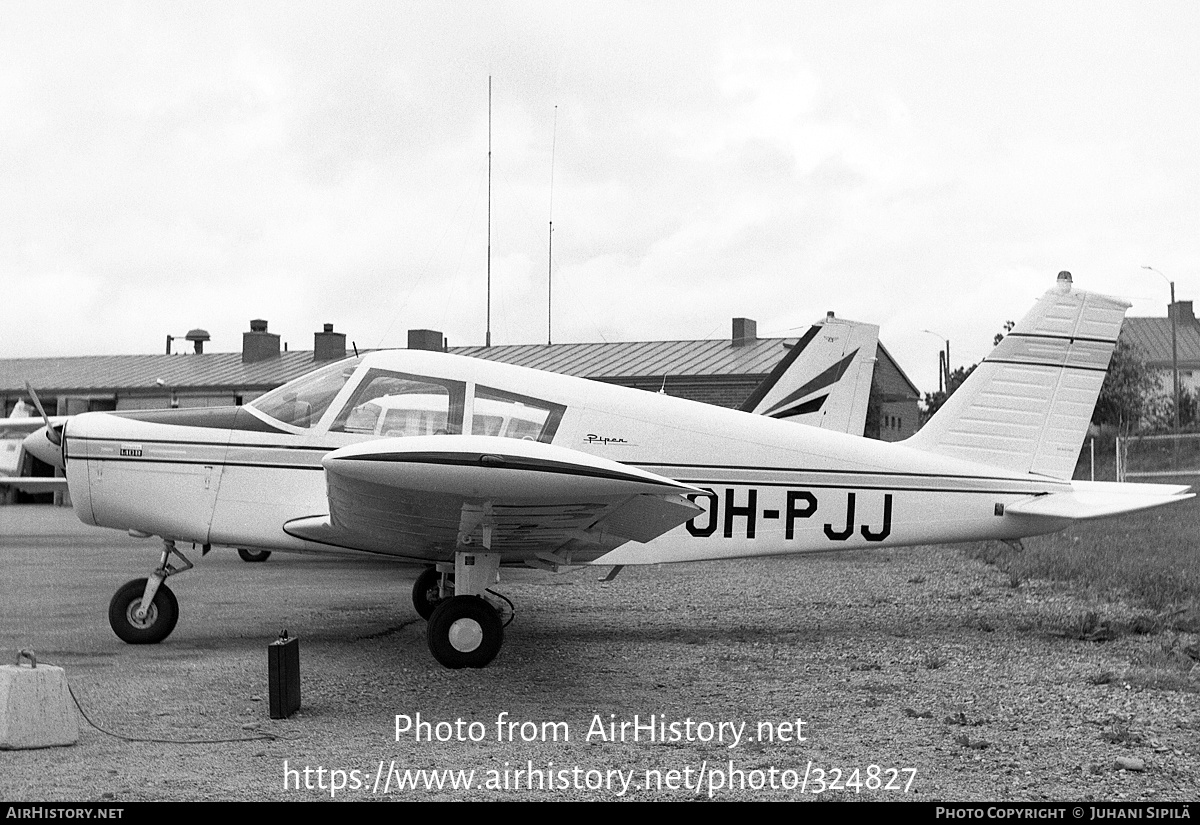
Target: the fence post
(1120, 468)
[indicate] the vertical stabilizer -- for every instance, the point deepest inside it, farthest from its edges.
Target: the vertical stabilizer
(825, 380)
(1027, 406)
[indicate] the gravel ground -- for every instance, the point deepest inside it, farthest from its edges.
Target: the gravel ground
(916, 660)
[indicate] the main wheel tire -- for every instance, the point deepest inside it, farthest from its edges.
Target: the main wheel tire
(426, 592)
(253, 555)
(159, 621)
(465, 631)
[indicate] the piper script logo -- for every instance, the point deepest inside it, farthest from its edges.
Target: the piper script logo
(592, 438)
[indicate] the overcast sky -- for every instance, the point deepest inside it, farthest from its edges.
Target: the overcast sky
(919, 165)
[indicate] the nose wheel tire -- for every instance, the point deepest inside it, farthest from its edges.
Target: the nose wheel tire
(253, 555)
(426, 594)
(159, 621)
(465, 631)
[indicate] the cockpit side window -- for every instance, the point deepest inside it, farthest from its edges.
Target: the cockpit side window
(392, 404)
(303, 401)
(507, 414)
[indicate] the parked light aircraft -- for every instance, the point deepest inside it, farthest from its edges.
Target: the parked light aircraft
(21, 424)
(614, 476)
(823, 381)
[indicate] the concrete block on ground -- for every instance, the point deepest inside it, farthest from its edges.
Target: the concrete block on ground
(36, 710)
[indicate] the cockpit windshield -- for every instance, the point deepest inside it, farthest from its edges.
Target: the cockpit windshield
(302, 402)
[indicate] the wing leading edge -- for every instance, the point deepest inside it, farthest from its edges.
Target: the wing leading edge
(424, 497)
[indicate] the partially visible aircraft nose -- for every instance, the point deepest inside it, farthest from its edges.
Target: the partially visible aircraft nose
(39, 444)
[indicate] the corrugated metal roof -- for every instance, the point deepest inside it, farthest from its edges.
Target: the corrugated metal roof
(1152, 337)
(716, 357)
(225, 370)
(103, 373)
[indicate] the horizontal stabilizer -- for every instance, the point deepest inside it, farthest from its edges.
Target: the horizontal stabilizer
(1097, 499)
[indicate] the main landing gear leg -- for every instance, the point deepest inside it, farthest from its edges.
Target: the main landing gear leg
(465, 630)
(144, 611)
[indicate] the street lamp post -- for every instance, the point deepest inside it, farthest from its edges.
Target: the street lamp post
(943, 362)
(1174, 313)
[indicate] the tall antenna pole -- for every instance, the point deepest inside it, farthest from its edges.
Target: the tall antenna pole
(488, 340)
(550, 251)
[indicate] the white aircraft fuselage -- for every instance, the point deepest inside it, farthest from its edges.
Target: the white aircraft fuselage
(771, 487)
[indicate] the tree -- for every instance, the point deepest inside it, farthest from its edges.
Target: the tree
(1131, 394)
(935, 400)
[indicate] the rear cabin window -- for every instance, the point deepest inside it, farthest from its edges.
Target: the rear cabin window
(509, 415)
(393, 404)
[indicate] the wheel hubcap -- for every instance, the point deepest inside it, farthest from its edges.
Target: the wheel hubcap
(132, 617)
(465, 635)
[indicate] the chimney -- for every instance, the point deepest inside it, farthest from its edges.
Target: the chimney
(198, 337)
(745, 332)
(1182, 312)
(258, 344)
(430, 339)
(329, 345)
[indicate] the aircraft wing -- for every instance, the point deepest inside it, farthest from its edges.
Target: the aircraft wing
(35, 484)
(16, 427)
(424, 497)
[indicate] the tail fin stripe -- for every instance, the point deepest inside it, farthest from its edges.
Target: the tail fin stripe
(1071, 338)
(822, 381)
(801, 409)
(782, 367)
(1042, 364)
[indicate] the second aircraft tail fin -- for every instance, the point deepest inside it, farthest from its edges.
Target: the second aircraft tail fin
(825, 380)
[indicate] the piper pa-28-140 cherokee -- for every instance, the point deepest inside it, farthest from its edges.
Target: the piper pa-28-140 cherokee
(469, 466)
(823, 381)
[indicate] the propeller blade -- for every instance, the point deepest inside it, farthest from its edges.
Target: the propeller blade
(55, 436)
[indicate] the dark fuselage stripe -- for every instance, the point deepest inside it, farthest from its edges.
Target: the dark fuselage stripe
(889, 488)
(472, 459)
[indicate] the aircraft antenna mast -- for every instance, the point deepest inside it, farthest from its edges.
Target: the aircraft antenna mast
(550, 243)
(488, 338)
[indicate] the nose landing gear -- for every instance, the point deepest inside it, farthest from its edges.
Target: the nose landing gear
(144, 611)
